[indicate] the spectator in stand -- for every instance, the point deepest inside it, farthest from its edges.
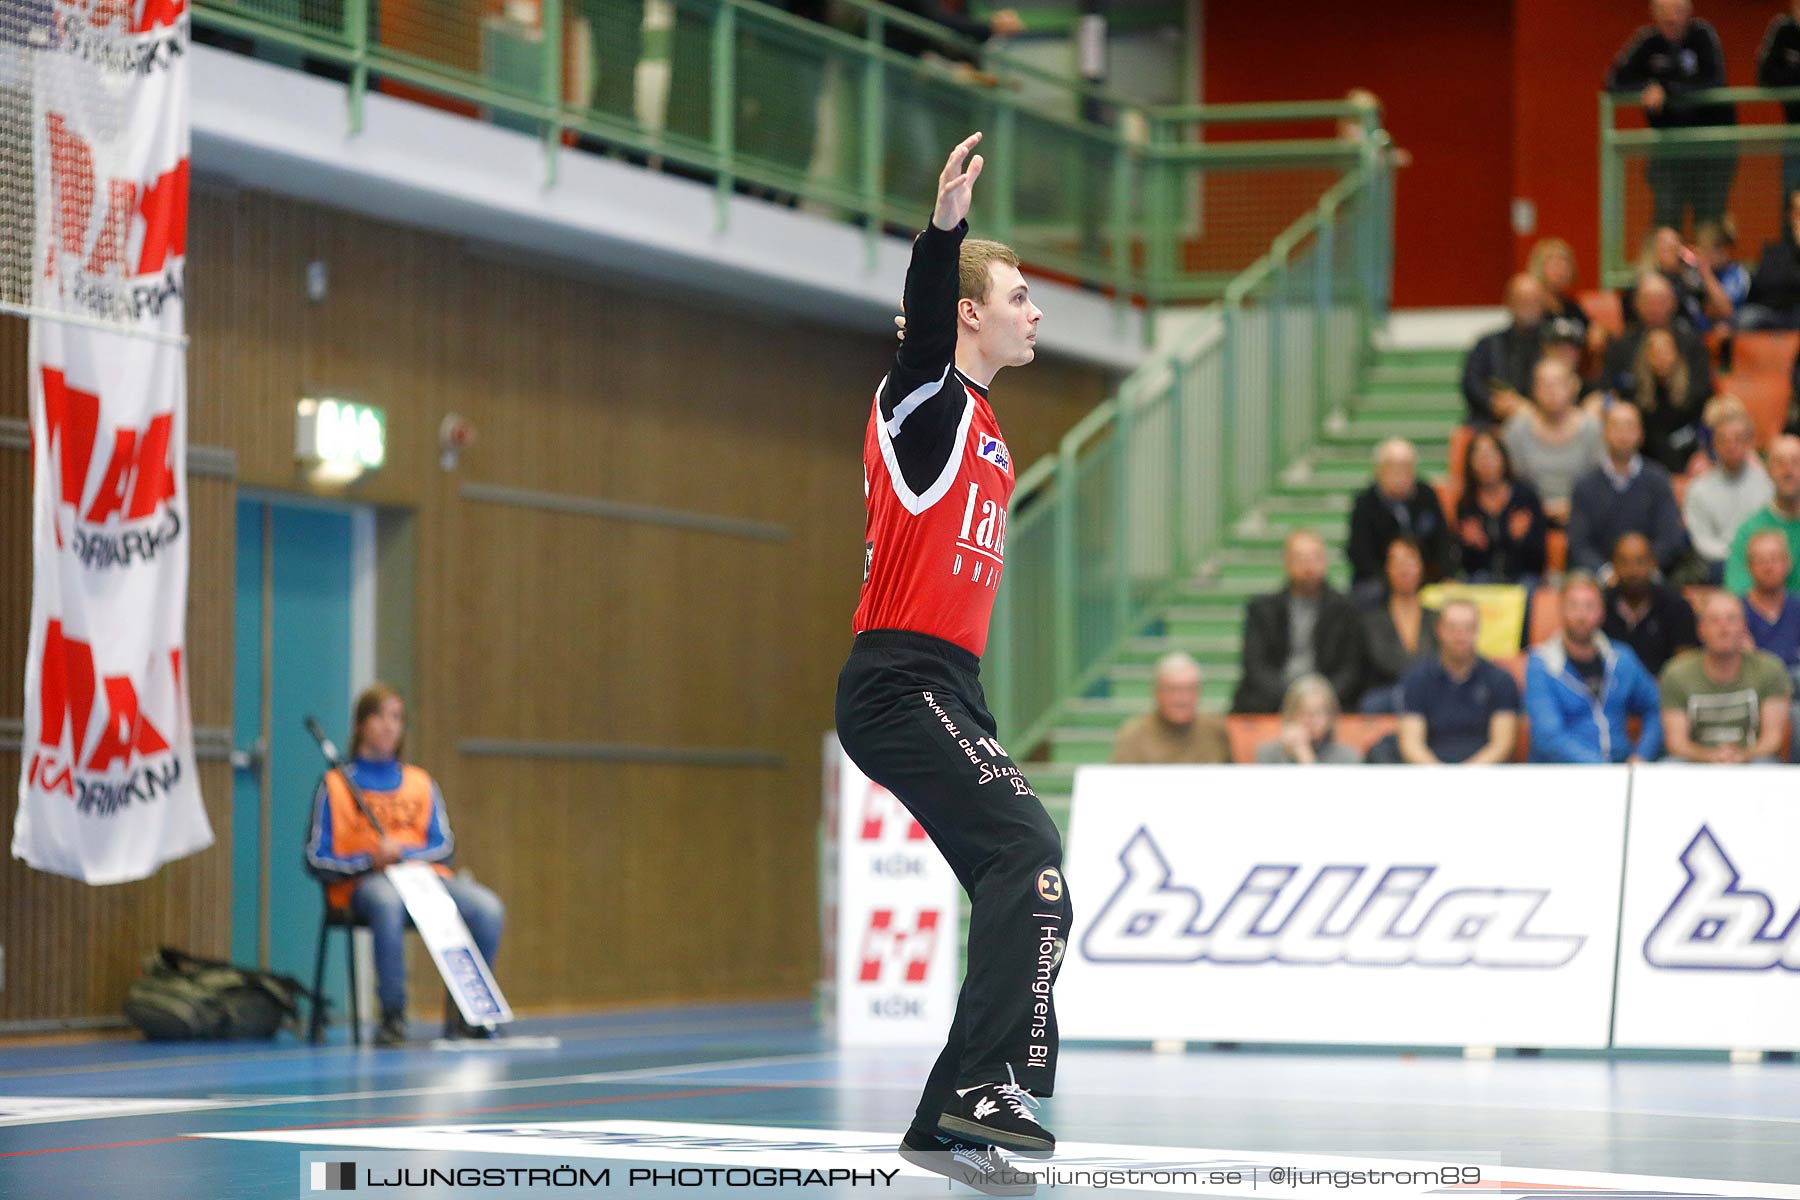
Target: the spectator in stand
(1782, 514)
(1699, 297)
(1771, 612)
(1309, 714)
(1552, 264)
(1675, 55)
(1624, 494)
(1401, 633)
(1458, 707)
(1778, 66)
(1563, 343)
(1655, 621)
(1497, 373)
(1552, 443)
(1581, 687)
(1500, 526)
(1396, 503)
(1726, 702)
(1175, 730)
(1715, 248)
(1721, 499)
(1655, 307)
(1774, 300)
(1669, 400)
(1303, 629)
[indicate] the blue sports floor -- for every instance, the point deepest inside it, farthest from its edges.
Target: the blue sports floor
(695, 1099)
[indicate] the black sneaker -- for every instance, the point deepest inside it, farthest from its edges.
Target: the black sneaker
(980, 1167)
(392, 1030)
(999, 1114)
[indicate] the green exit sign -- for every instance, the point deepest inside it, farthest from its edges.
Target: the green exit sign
(342, 438)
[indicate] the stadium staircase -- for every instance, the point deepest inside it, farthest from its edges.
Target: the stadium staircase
(1410, 393)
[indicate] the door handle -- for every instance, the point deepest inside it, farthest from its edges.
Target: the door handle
(252, 758)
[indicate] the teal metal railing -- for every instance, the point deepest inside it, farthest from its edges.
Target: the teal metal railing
(1148, 485)
(1147, 203)
(1742, 169)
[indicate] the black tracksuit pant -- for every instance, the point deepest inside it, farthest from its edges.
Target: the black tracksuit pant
(911, 715)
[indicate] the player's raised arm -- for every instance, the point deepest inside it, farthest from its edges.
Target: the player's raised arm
(931, 280)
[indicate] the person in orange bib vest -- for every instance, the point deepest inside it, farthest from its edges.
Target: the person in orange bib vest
(345, 851)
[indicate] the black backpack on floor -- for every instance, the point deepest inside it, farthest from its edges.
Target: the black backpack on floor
(183, 998)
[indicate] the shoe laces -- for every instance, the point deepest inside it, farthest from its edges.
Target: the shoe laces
(1017, 1098)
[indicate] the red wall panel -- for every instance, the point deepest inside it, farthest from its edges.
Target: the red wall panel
(1494, 100)
(1444, 75)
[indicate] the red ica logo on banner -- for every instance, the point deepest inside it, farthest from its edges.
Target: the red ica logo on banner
(884, 815)
(140, 466)
(160, 204)
(138, 16)
(71, 700)
(887, 946)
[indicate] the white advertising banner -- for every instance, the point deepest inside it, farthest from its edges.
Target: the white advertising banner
(891, 926)
(1373, 905)
(108, 790)
(1710, 953)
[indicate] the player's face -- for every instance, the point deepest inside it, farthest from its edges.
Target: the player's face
(1009, 319)
(382, 730)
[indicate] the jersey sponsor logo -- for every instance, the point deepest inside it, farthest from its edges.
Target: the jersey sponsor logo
(983, 529)
(1357, 914)
(1713, 924)
(868, 559)
(994, 450)
(1049, 885)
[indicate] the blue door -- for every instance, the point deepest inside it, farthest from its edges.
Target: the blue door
(295, 571)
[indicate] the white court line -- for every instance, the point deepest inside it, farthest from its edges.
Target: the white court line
(446, 1089)
(303, 1053)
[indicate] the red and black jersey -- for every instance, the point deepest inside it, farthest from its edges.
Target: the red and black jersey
(937, 475)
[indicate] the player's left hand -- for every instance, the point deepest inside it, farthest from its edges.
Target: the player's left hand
(900, 327)
(956, 185)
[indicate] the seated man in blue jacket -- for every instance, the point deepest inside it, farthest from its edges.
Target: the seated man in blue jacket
(1581, 686)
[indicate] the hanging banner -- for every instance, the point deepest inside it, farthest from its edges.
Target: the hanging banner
(108, 790)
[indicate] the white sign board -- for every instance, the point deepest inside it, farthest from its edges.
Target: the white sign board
(1372, 905)
(1711, 930)
(465, 972)
(892, 927)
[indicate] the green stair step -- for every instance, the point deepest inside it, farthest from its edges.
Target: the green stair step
(1372, 430)
(1278, 507)
(1423, 356)
(1206, 649)
(1329, 526)
(1099, 712)
(1202, 622)
(1400, 376)
(1135, 682)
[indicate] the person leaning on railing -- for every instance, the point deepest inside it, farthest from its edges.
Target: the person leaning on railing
(1666, 60)
(1778, 66)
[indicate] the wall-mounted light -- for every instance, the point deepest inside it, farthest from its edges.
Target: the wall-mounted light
(336, 441)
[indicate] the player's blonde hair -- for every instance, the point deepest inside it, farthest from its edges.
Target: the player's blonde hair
(974, 267)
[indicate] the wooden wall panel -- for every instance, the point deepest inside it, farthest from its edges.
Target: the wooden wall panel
(624, 881)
